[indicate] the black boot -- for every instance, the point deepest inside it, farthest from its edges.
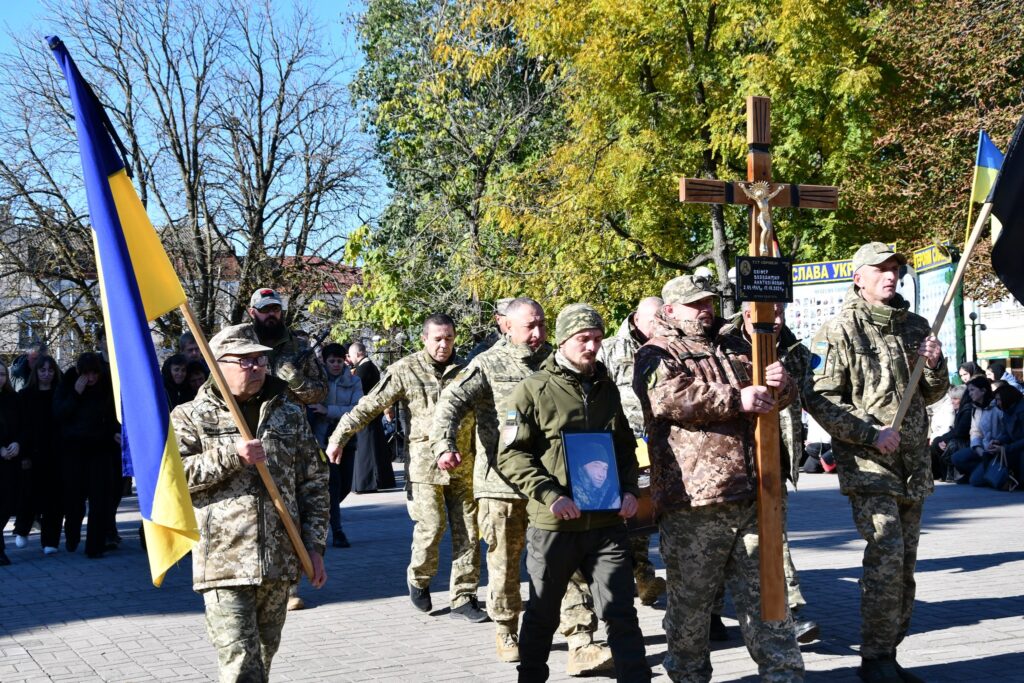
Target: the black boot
(719, 633)
(420, 598)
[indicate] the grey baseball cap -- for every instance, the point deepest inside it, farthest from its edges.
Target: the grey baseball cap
(687, 289)
(237, 340)
(263, 297)
(873, 253)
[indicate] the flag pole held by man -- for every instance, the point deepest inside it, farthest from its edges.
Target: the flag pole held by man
(137, 285)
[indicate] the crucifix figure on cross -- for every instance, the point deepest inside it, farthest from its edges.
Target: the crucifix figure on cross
(761, 194)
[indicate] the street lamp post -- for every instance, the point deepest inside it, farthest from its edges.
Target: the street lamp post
(975, 325)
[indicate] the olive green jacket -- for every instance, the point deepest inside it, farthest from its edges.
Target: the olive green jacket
(531, 455)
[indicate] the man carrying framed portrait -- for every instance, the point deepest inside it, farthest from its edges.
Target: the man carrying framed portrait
(567, 446)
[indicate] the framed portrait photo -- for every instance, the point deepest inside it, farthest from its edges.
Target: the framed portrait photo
(592, 469)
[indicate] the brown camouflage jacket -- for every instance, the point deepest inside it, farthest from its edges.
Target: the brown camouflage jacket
(483, 388)
(796, 358)
(242, 541)
(308, 383)
(700, 442)
(861, 364)
(416, 381)
(617, 354)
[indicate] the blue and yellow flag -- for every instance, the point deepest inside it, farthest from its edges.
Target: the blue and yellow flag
(986, 167)
(137, 285)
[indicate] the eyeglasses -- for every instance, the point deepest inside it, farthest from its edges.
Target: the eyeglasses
(247, 363)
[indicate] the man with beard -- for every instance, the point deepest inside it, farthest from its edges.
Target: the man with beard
(572, 392)
(701, 410)
(483, 388)
(617, 354)
(291, 361)
(861, 366)
(437, 497)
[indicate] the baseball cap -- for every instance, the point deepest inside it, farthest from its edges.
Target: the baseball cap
(873, 253)
(263, 297)
(687, 289)
(237, 340)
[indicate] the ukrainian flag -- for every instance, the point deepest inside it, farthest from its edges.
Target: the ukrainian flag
(986, 168)
(137, 285)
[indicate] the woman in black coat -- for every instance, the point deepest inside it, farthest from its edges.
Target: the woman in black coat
(84, 408)
(41, 445)
(175, 374)
(11, 458)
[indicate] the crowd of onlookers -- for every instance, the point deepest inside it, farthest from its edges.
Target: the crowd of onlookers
(984, 444)
(60, 441)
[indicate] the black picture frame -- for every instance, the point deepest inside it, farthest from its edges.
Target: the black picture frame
(593, 488)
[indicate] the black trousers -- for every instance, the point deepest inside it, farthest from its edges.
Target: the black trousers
(603, 557)
(340, 483)
(89, 477)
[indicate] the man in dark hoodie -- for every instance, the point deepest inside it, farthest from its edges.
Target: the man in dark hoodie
(861, 365)
(572, 391)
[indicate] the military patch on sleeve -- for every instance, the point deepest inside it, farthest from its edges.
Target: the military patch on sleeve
(651, 375)
(819, 354)
(511, 427)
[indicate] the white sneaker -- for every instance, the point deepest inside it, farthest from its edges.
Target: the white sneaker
(20, 541)
(50, 550)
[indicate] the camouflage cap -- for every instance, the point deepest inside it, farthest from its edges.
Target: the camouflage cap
(501, 306)
(576, 318)
(263, 297)
(873, 253)
(687, 289)
(238, 340)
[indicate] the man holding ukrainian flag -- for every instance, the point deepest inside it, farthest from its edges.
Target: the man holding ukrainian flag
(244, 563)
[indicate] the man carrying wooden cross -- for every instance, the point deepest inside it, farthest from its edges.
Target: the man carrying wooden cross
(701, 408)
(861, 367)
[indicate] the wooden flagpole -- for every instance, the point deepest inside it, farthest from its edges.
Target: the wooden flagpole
(247, 435)
(958, 275)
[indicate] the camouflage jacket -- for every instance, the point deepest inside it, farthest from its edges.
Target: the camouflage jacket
(700, 442)
(483, 388)
(306, 384)
(861, 364)
(242, 540)
(532, 457)
(796, 358)
(416, 381)
(617, 355)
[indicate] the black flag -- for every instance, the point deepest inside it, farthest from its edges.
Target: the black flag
(1007, 200)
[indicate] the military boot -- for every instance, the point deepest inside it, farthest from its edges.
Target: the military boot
(507, 644)
(718, 632)
(649, 589)
(470, 611)
(590, 659)
(880, 670)
(294, 601)
(420, 598)
(905, 676)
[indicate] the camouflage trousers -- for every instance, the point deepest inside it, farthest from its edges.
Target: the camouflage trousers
(794, 595)
(433, 508)
(244, 624)
(699, 546)
(892, 528)
(503, 527)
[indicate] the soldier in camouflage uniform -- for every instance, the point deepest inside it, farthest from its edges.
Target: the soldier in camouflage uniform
(244, 561)
(617, 354)
(700, 408)
(572, 391)
(437, 497)
(290, 360)
(501, 321)
(795, 357)
(861, 364)
(483, 388)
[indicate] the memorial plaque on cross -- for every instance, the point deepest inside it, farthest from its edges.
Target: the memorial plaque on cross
(761, 194)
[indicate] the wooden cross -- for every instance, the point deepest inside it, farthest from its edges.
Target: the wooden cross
(769, 480)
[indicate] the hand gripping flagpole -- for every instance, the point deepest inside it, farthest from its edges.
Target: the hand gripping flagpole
(243, 428)
(915, 376)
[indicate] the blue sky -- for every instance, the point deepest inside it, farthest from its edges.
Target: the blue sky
(29, 16)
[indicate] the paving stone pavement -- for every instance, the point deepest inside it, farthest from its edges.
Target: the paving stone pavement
(64, 617)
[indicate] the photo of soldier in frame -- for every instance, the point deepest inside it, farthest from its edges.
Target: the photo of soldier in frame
(592, 470)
